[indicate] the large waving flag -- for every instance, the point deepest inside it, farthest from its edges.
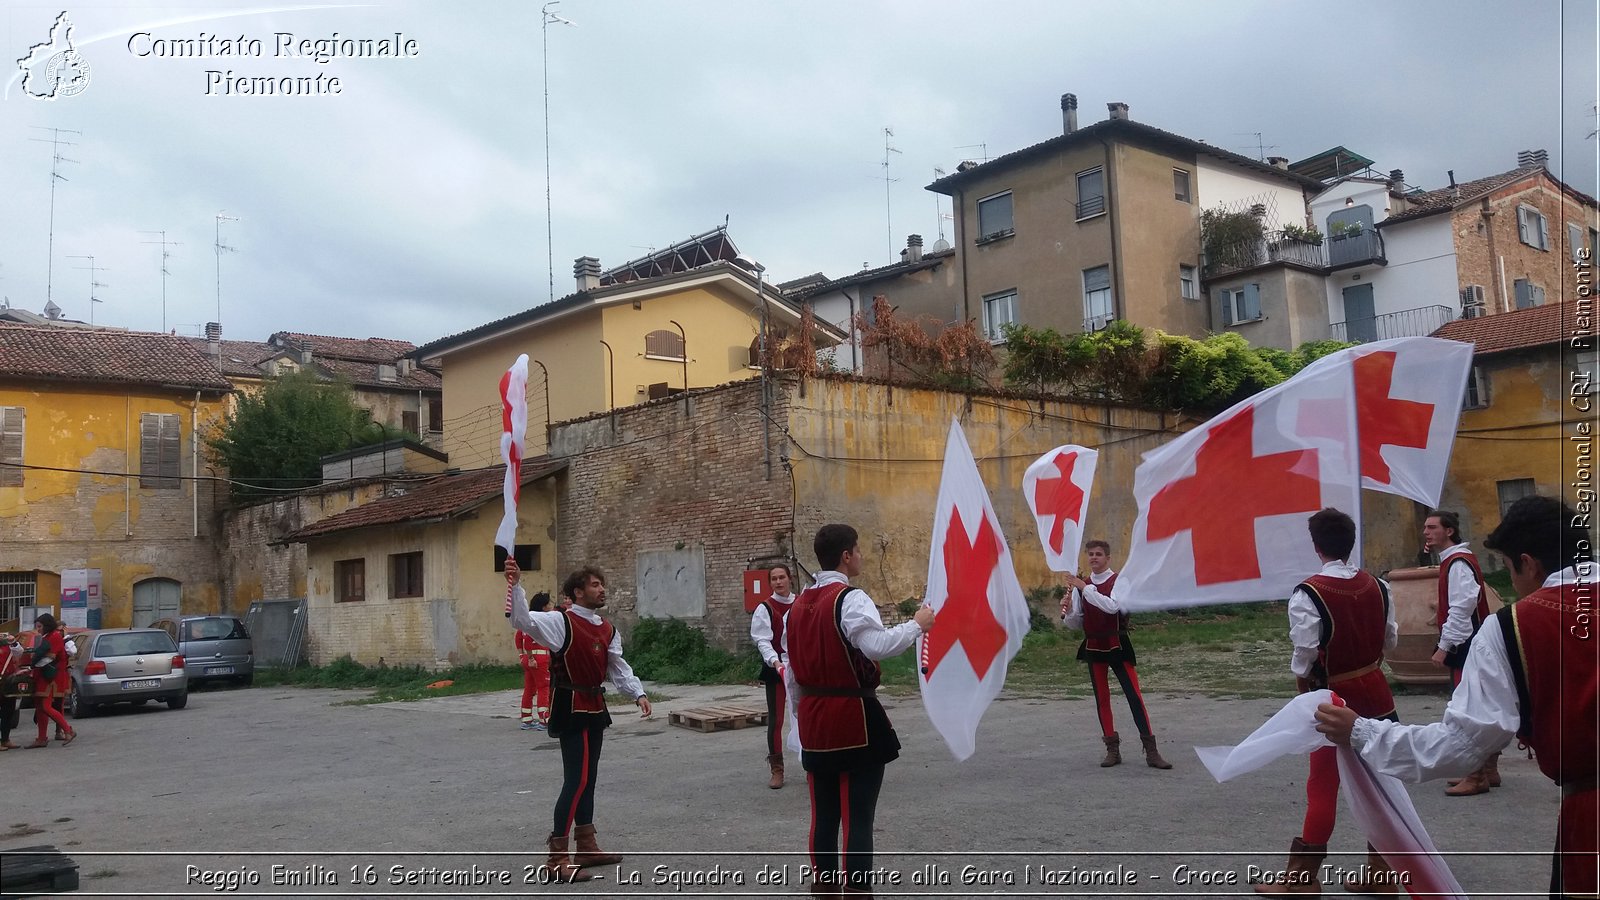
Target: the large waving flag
(1223, 508)
(1057, 489)
(972, 585)
(514, 425)
(1408, 394)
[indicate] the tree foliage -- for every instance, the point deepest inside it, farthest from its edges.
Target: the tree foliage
(953, 356)
(1166, 371)
(275, 438)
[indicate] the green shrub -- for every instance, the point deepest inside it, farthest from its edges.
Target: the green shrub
(675, 652)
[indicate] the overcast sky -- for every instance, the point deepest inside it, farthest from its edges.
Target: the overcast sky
(412, 204)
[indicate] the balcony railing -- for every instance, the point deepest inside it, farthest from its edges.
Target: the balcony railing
(1098, 323)
(1272, 247)
(1358, 249)
(1418, 322)
(1092, 206)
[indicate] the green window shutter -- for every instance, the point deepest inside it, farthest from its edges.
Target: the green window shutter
(1252, 302)
(1524, 291)
(1544, 232)
(1227, 306)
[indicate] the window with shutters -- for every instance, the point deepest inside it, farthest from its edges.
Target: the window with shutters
(349, 580)
(1241, 304)
(1527, 293)
(1188, 283)
(435, 414)
(1477, 391)
(408, 422)
(1575, 242)
(160, 451)
(1091, 193)
(664, 344)
(1532, 229)
(1099, 306)
(11, 435)
(1512, 490)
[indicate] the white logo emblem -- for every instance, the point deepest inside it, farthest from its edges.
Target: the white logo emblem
(54, 69)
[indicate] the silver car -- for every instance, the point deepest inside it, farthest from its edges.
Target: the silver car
(133, 665)
(215, 647)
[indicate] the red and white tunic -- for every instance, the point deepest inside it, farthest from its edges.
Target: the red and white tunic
(1463, 604)
(1341, 623)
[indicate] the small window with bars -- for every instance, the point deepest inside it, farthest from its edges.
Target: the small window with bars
(160, 451)
(1513, 490)
(17, 589)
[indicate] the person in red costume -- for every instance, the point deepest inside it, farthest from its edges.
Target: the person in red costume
(1107, 649)
(1534, 672)
(1341, 623)
(49, 656)
(1462, 608)
(535, 673)
(766, 632)
(585, 652)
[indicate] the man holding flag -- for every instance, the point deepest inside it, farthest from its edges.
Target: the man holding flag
(833, 640)
(1107, 648)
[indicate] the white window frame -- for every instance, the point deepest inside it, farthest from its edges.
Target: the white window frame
(1010, 229)
(1092, 310)
(17, 589)
(1077, 190)
(1532, 228)
(1188, 185)
(992, 322)
(1574, 242)
(1233, 309)
(1188, 282)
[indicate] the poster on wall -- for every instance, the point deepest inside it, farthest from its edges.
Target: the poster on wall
(80, 597)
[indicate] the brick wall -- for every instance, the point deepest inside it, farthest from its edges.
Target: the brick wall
(1482, 244)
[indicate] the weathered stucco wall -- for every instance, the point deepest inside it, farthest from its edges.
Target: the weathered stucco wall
(256, 563)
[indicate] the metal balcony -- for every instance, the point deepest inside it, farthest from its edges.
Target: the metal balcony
(1272, 247)
(1359, 249)
(1419, 322)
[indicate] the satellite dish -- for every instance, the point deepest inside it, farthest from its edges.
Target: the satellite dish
(52, 311)
(941, 245)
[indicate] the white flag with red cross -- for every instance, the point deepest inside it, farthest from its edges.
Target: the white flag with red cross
(982, 615)
(1223, 508)
(1408, 394)
(514, 427)
(1057, 489)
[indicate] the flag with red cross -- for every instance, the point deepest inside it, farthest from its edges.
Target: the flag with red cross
(1223, 508)
(1057, 489)
(972, 586)
(513, 431)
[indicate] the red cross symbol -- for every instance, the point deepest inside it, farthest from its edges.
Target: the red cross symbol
(1232, 487)
(1382, 420)
(1059, 498)
(965, 615)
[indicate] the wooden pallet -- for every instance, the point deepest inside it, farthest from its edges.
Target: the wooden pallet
(36, 870)
(717, 718)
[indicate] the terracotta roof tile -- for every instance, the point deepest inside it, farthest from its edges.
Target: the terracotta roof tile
(1427, 203)
(1515, 330)
(438, 498)
(369, 349)
(239, 358)
(124, 357)
(365, 374)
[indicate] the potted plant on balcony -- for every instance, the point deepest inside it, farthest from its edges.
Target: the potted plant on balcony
(1302, 234)
(1342, 230)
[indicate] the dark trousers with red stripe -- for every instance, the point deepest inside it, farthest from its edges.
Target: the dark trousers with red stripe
(580, 765)
(777, 706)
(1128, 677)
(843, 802)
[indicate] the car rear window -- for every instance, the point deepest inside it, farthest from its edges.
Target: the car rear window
(133, 644)
(218, 629)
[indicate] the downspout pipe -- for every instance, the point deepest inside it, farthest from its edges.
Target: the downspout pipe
(1119, 295)
(194, 460)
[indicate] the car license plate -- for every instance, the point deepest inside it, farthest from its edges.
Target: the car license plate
(219, 670)
(142, 683)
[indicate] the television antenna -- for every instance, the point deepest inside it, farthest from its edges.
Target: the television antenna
(938, 211)
(888, 208)
(56, 159)
(165, 255)
(982, 147)
(1261, 145)
(548, 17)
(221, 248)
(91, 268)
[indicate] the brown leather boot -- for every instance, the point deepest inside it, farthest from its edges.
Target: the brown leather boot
(1476, 783)
(1302, 876)
(1491, 769)
(560, 865)
(1375, 879)
(588, 853)
(1152, 756)
(1113, 750)
(775, 762)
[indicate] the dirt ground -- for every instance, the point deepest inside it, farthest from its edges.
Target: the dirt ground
(288, 792)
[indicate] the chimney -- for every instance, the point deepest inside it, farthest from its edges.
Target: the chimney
(1118, 110)
(1278, 162)
(213, 332)
(305, 353)
(914, 248)
(405, 365)
(1529, 158)
(1069, 113)
(214, 343)
(587, 270)
(1397, 180)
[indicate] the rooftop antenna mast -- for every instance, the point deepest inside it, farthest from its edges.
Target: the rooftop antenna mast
(56, 159)
(165, 255)
(547, 18)
(92, 269)
(221, 248)
(888, 209)
(938, 210)
(982, 147)
(1261, 145)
